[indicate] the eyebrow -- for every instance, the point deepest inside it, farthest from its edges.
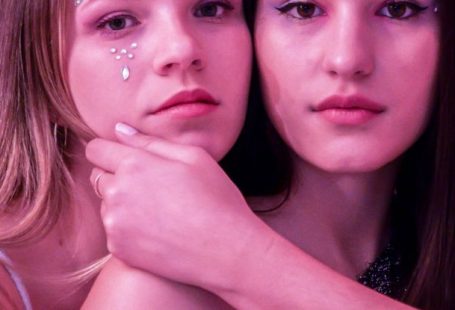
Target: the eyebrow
(87, 2)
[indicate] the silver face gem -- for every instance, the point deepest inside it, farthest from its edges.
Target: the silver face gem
(435, 9)
(77, 2)
(125, 73)
(125, 70)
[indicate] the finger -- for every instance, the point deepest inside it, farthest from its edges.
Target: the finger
(100, 180)
(108, 154)
(158, 146)
(103, 209)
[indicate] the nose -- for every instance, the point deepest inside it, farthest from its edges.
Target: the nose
(350, 50)
(177, 51)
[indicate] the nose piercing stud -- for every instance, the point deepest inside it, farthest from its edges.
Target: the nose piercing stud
(124, 53)
(77, 2)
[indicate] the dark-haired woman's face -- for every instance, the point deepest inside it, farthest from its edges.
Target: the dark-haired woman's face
(348, 82)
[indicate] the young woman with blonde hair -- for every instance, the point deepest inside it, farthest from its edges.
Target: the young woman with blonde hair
(73, 70)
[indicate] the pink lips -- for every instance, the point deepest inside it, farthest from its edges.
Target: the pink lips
(352, 110)
(188, 103)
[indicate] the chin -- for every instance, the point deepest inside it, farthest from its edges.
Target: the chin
(351, 165)
(217, 149)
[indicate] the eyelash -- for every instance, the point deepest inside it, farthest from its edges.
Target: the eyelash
(288, 9)
(130, 21)
(103, 24)
(414, 8)
(226, 7)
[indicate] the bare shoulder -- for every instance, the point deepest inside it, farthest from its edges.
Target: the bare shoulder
(9, 296)
(121, 286)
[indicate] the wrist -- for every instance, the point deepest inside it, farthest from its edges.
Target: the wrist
(249, 269)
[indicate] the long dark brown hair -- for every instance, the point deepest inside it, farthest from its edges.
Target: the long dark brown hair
(423, 211)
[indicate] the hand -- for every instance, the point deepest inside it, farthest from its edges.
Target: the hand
(170, 208)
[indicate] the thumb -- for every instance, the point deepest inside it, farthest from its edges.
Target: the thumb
(126, 133)
(130, 136)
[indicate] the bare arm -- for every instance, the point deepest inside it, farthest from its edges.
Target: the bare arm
(274, 274)
(196, 228)
(122, 287)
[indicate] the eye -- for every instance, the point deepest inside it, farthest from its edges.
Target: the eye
(400, 10)
(213, 9)
(117, 23)
(301, 10)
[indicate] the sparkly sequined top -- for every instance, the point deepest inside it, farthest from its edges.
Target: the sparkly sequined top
(385, 274)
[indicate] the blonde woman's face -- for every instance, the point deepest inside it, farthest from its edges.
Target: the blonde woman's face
(177, 69)
(348, 82)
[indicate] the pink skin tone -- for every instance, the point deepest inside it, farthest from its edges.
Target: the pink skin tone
(349, 90)
(349, 50)
(348, 87)
(178, 50)
(181, 47)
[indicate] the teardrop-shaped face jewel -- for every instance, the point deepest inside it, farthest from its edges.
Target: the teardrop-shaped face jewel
(125, 73)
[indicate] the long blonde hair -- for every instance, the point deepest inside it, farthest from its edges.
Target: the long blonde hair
(35, 183)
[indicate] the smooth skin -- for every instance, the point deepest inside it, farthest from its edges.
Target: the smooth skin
(337, 211)
(182, 45)
(249, 254)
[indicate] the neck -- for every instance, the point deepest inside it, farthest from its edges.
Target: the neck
(348, 203)
(339, 218)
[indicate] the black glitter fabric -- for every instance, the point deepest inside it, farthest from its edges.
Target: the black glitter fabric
(384, 274)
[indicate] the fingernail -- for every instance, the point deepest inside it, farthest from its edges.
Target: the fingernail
(125, 129)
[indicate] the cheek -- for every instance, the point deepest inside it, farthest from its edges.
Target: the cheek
(272, 64)
(282, 82)
(95, 80)
(411, 82)
(288, 64)
(231, 53)
(229, 65)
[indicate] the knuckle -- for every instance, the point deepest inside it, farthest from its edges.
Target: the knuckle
(131, 164)
(109, 223)
(111, 247)
(110, 195)
(195, 155)
(148, 145)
